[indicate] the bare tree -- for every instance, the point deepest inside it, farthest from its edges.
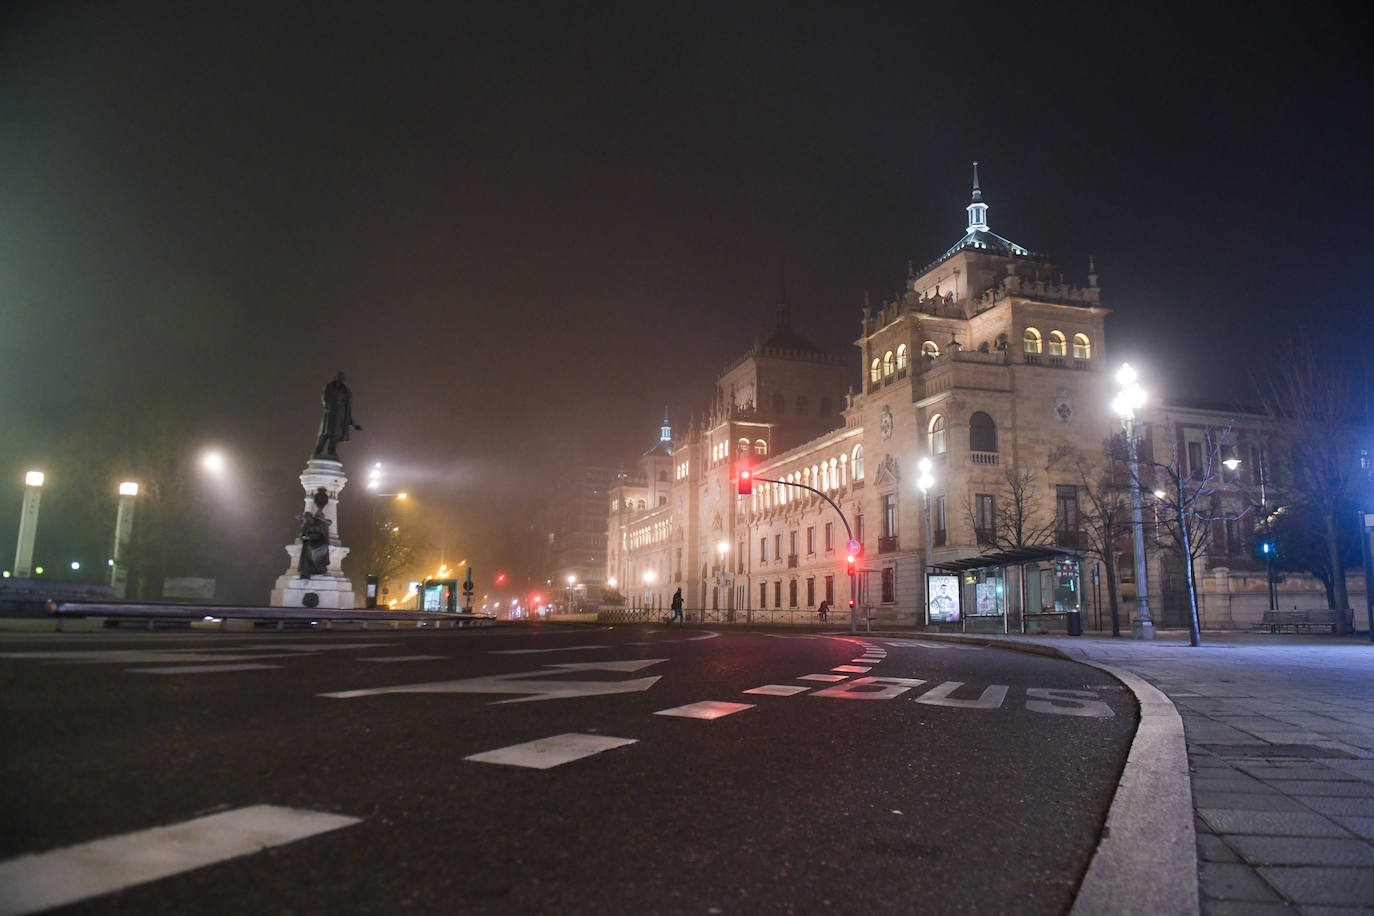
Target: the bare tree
(391, 550)
(1319, 405)
(1189, 499)
(1104, 512)
(1018, 518)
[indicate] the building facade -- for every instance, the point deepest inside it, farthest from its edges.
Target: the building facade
(990, 370)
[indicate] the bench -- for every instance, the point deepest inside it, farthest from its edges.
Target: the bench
(1298, 620)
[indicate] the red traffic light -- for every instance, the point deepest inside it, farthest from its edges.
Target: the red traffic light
(500, 578)
(849, 564)
(746, 481)
(536, 599)
(851, 603)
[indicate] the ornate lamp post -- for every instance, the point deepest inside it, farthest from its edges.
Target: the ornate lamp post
(1127, 401)
(924, 483)
(28, 524)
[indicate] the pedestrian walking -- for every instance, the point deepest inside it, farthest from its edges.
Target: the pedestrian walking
(677, 609)
(824, 610)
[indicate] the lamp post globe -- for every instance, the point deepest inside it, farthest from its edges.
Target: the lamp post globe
(28, 524)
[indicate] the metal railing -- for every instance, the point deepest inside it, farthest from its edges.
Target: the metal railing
(151, 613)
(801, 617)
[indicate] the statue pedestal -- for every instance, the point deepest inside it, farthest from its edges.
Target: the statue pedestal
(332, 588)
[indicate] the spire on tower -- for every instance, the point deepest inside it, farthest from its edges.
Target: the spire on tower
(665, 432)
(977, 210)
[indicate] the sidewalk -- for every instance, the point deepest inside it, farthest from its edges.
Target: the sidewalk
(1279, 736)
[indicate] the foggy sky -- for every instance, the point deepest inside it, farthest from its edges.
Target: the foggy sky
(522, 230)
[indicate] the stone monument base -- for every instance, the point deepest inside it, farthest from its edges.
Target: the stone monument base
(332, 589)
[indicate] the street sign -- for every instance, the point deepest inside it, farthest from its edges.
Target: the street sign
(854, 547)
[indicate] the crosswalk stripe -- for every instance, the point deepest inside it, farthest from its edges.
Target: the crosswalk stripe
(198, 669)
(706, 709)
(38, 882)
(547, 753)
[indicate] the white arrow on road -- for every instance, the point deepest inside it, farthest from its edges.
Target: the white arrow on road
(535, 684)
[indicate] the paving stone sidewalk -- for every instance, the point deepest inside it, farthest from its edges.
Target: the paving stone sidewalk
(1280, 739)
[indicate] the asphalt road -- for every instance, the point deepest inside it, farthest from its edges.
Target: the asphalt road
(823, 794)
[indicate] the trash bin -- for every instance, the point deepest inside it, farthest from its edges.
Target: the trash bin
(1075, 622)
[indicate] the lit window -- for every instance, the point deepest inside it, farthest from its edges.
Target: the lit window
(939, 443)
(901, 359)
(875, 372)
(1057, 344)
(929, 350)
(857, 462)
(1031, 341)
(887, 364)
(760, 447)
(1082, 349)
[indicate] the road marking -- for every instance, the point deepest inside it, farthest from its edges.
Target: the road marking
(534, 683)
(851, 669)
(551, 752)
(822, 677)
(148, 657)
(38, 882)
(538, 651)
(402, 658)
(871, 688)
(198, 669)
(778, 690)
(1079, 702)
(706, 709)
(991, 697)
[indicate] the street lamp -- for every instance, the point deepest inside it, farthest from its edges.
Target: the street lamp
(28, 524)
(924, 482)
(1129, 399)
(124, 526)
(572, 580)
(213, 462)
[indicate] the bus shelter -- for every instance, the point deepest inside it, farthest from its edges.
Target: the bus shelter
(1035, 590)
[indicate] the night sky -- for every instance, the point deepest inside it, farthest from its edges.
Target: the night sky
(524, 229)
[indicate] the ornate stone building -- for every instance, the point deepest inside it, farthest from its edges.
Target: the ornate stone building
(991, 364)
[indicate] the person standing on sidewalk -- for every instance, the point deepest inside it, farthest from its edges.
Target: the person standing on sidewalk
(677, 609)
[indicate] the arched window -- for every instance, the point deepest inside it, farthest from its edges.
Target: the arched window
(887, 364)
(779, 405)
(640, 504)
(1082, 349)
(844, 469)
(742, 446)
(982, 433)
(857, 462)
(834, 481)
(1031, 342)
(939, 444)
(802, 405)
(825, 477)
(930, 350)
(760, 447)
(1057, 343)
(875, 373)
(901, 359)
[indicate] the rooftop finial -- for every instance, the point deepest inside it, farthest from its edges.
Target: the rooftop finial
(977, 210)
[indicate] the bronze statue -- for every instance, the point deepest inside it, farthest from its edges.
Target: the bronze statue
(337, 419)
(314, 538)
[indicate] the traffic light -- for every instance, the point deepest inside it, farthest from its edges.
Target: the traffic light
(500, 578)
(849, 566)
(746, 481)
(851, 604)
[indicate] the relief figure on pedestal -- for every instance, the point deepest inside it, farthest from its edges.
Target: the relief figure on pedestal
(315, 538)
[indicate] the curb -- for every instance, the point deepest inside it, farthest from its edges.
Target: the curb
(1146, 859)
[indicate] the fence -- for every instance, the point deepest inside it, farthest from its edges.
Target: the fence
(761, 616)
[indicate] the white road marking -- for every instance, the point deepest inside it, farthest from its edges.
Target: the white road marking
(821, 677)
(146, 657)
(538, 651)
(1067, 702)
(38, 882)
(991, 697)
(778, 690)
(534, 683)
(706, 709)
(402, 658)
(551, 752)
(851, 669)
(871, 688)
(198, 669)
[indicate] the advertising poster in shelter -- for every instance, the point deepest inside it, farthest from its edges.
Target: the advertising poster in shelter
(944, 598)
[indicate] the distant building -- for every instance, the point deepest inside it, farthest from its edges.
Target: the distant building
(573, 525)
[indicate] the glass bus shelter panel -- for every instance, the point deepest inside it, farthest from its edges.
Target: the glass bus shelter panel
(985, 601)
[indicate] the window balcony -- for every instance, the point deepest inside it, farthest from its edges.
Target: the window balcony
(887, 544)
(984, 536)
(1031, 359)
(1074, 540)
(983, 457)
